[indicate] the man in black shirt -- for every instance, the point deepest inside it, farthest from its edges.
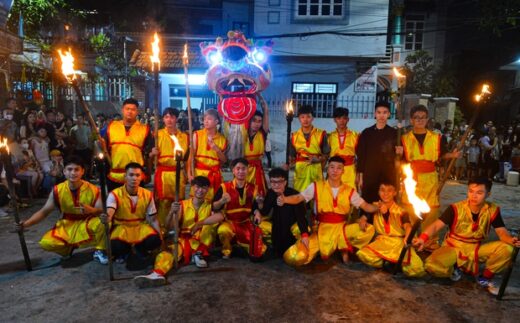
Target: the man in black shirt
(284, 218)
(463, 249)
(376, 149)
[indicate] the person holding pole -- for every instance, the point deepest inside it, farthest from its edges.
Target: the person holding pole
(80, 205)
(164, 179)
(128, 141)
(196, 234)
(469, 222)
(423, 149)
(209, 152)
(393, 227)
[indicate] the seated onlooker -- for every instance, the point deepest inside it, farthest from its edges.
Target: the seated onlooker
(40, 148)
(28, 127)
(55, 175)
(29, 167)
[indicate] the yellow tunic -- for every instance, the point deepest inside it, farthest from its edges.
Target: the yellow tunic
(463, 244)
(130, 223)
(305, 173)
(74, 229)
(254, 152)
(188, 243)
(207, 162)
(389, 243)
(333, 231)
(345, 147)
(125, 147)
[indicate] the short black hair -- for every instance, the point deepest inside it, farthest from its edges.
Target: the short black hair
(306, 109)
(337, 159)
(258, 114)
(171, 111)
(481, 181)
(134, 165)
(340, 112)
(131, 101)
(74, 159)
(382, 104)
(239, 160)
(278, 173)
(50, 111)
(386, 182)
(201, 181)
(418, 108)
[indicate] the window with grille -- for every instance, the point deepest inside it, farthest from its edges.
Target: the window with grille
(319, 9)
(414, 29)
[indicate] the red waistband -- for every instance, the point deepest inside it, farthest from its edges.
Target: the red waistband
(129, 220)
(161, 168)
(331, 217)
(238, 217)
(423, 166)
(75, 217)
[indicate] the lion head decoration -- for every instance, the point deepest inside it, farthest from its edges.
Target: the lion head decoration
(238, 71)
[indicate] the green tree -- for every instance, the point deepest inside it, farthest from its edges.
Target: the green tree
(498, 14)
(419, 72)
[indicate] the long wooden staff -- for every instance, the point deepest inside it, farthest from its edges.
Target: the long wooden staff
(185, 62)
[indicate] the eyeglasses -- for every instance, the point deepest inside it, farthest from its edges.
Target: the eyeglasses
(277, 182)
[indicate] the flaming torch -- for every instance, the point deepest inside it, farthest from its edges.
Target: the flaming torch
(156, 66)
(9, 175)
(178, 155)
(419, 206)
(101, 167)
(479, 98)
(186, 62)
(289, 117)
(67, 68)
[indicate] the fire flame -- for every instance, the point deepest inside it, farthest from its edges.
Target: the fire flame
(100, 156)
(3, 144)
(397, 73)
(419, 205)
(485, 91)
(185, 55)
(67, 63)
(177, 146)
(155, 52)
(289, 107)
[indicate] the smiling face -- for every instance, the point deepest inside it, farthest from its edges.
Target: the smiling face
(200, 191)
(387, 193)
(278, 184)
(240, 171)
(73, 172)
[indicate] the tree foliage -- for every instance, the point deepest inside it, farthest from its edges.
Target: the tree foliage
(423, 77)
(495, 15)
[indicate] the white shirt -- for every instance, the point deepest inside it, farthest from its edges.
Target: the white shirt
(308, 194)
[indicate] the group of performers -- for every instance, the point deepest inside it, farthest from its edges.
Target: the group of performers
(254, 215)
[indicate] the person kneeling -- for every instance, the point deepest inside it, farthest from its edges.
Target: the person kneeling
(469, 222)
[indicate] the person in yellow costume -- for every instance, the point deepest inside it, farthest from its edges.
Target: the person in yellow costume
(464, 247)
(236, 200)
(308, 151)
(392, 225)
(127, 141)
(196, 221)
(80, 204)
(254, 147)
(131, 211)
(332, 201)
(164, 179)
(209, 152)
(343, 142)
(424, 149)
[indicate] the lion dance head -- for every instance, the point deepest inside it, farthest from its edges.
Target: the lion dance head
(238, 71)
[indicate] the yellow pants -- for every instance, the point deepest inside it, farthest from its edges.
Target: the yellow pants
(496, 255)
(329, 238)
(305, 174)
(241, 232)
(68, 234)
(201, 241)
(389, 248)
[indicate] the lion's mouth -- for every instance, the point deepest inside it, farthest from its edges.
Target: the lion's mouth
(236, 85)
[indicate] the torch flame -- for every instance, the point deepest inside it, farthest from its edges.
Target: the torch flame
(155, 52)
(419, 205)
(100, 155)
(177, 146)
(485, 91)
(67, 63)
(289, 107)
(3, 144)
(397, 73)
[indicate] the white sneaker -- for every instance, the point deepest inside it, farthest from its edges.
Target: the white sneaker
(100, 257)
(488, 284)
(150, 280)
(199, 261)
(456, 275)
(226, 257)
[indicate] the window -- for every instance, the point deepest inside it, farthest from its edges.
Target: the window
(321, 88)
(319, 8)
(414, 28)
(242, 26)
(322, 96)
(273, 17)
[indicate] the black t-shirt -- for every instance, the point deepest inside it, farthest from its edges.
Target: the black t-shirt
(449, 214)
